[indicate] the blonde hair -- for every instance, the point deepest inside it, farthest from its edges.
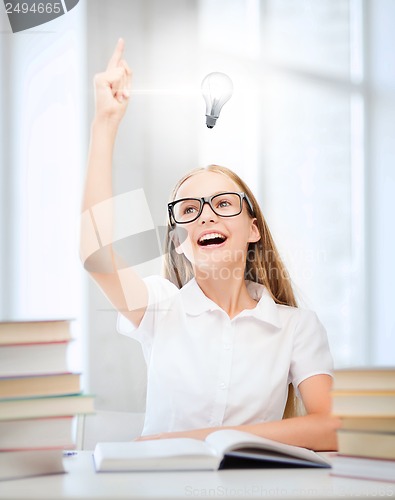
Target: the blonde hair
(263, 264)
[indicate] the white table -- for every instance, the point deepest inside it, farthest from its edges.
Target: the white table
(83, 482)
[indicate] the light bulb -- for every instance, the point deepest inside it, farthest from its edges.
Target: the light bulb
(217, 89)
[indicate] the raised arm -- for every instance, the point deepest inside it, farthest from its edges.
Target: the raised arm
(112, 88)
(112, 91)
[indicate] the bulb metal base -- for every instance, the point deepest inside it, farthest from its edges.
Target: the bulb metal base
(211, 121)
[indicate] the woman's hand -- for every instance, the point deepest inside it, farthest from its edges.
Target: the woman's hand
(112, 87)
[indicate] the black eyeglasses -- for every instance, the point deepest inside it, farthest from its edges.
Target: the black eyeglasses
(227, 204)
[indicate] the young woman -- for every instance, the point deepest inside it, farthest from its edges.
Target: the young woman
(221, 333)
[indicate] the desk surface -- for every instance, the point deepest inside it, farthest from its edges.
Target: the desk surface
(83, 482)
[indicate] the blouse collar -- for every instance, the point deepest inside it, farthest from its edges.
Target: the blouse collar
(266, 310)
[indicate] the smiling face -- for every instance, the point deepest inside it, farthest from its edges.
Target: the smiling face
(213, 241)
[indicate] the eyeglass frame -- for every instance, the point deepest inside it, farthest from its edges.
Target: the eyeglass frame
(207, 199)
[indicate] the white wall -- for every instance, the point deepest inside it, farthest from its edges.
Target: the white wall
(42, 148)
(156, 144)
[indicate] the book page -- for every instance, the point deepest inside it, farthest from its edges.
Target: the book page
(164, 454)
(226, 441)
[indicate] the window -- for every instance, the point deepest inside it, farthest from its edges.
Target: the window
(43, 143)
(301, 95)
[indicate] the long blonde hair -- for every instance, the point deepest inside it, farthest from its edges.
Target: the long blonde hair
(263, 264)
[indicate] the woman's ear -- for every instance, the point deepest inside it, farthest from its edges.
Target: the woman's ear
(255, 235)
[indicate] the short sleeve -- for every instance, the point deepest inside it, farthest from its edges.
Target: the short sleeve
(311, 354)
(161, 294)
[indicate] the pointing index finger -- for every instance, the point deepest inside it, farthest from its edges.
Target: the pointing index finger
(117, 54)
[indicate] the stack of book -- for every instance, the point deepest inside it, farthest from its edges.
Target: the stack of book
(40, 400)
(364, 399)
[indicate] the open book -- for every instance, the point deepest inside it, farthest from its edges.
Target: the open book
(221, 449)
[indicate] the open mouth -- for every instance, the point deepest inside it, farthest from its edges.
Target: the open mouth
(211, 239)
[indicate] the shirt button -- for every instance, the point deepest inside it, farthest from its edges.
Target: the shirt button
(227, 347)
(222, 385)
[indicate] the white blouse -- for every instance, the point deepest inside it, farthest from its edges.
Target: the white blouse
(207, 370)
